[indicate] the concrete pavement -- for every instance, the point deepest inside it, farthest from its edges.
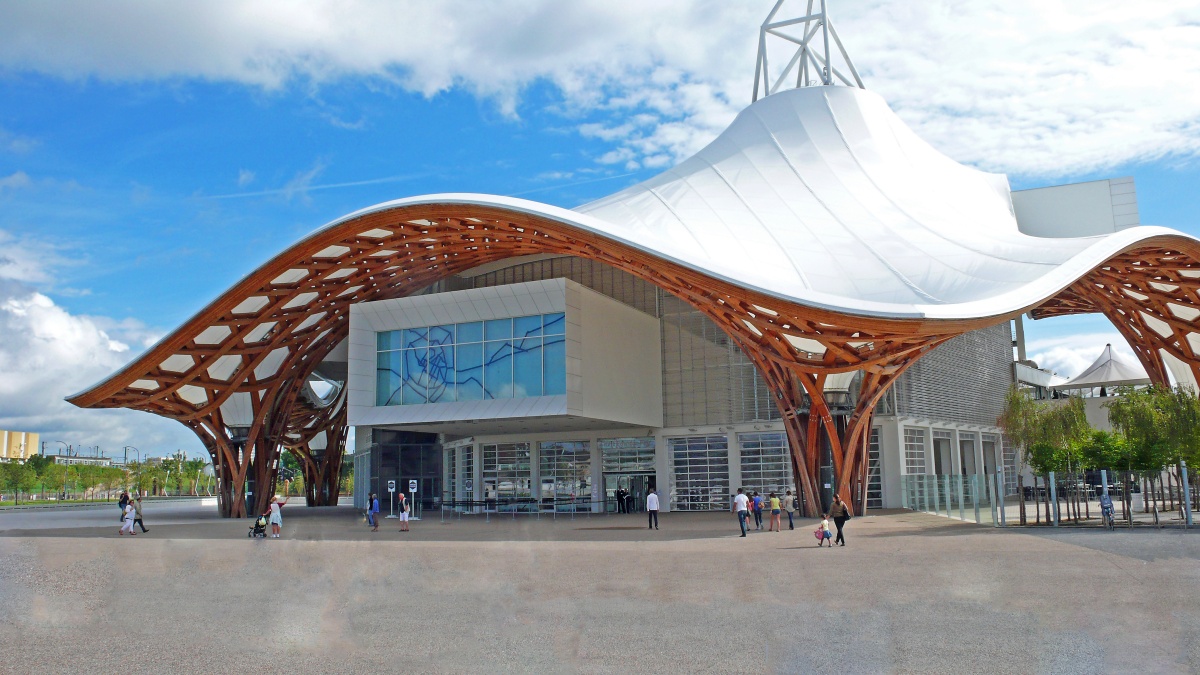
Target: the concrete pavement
(911, 593)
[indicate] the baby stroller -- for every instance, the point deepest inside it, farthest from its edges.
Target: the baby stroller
(259, 528)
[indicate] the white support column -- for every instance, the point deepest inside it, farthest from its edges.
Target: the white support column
(955, 453)
(735, 462)
(663, 472)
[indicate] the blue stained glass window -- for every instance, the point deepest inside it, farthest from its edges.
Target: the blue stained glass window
(470, 332)
(527, 326)
(555, 324)
(388, 377)
(497, 359)
(415, 337)
(388, 340)
(414, 376)
(527, 367)
(554, 377)
(498, 369)
(468, 378)
(499, 329)
(439, 367)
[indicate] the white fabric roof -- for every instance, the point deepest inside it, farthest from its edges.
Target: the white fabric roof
(823, 196)
(1109, 370)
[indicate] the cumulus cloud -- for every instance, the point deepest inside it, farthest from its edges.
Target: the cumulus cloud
(48, 353)
(1070, 355)
(14, 181)
(1035, 87)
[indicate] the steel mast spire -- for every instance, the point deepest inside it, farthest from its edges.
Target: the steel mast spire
(814, 40)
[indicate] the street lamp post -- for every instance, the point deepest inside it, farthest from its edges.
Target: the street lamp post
(138, 453)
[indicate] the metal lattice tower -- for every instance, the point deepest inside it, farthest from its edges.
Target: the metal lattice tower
(816, 45)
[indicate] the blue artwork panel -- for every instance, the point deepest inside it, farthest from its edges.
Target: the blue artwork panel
(554, 373)
(414, 376)
(439, 369)
(468, 377)
(499, 329)
(527, 326)
(554, 324)
(497, 359)
(388, 377)
(470, 332)
(527, 367)
(498, 370)
(415, 337)
(388, 340)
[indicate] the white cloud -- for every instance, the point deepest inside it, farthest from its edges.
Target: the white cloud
(47, 354)
(14, 181)
(1070, 355)
(245, 177)
(16, 143)
(1036, 87)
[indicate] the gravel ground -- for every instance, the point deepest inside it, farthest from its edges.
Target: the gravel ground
(910, 593)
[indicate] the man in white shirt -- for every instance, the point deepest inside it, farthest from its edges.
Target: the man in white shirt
(741, 506)
(652, 508)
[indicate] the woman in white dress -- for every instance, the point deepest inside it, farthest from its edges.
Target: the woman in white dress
(276, 518)
(130, 514)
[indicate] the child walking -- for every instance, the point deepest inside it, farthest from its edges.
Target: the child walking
(823, 533)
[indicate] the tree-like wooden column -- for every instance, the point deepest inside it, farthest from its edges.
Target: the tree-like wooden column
(1152, 297)
(321, 467)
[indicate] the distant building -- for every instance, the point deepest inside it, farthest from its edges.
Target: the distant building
(17, 445)
(77, 460)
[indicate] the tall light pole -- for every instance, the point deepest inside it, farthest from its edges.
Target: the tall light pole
(138, 453)
(65, 446)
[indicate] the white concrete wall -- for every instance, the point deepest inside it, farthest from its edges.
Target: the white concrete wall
(621, 364)
(1077, 210)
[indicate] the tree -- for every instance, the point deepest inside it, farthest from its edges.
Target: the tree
(17, 477)
(54, 477)
(192, 468)
(89, 477)
(1049, 434)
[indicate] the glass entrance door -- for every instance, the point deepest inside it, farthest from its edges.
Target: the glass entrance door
(626, 492)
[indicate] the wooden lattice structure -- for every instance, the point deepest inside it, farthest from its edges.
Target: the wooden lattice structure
(263, 338)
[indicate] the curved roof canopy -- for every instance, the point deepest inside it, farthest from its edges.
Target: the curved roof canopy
(817, 219)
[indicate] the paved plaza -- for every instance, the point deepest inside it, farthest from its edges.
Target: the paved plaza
(910, 593)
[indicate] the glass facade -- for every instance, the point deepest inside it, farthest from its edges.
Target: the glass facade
(628, 455)
(874, 476)
(503, 358)
(565, 468)
(701, 481)
(914, 450)
(507, 476)
(766, 462)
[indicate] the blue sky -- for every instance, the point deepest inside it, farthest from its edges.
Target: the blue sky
(151, 155)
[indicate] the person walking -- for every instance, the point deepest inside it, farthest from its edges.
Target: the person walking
(373, 512)
(789, 505)
(741, 506)
(757, 505)
(123, 502)
(137, 515)
(840, 514)
(775, 511)
(652, 509)
(403, 513)
(823, 533)
(127, 524)
(276, 518)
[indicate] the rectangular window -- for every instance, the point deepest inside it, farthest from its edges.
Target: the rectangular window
(628, 455)
(503, 358)
(914, 451)
(766, 462)
(701, 480)
(566, 475)
(507, 476)
(874, 474)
